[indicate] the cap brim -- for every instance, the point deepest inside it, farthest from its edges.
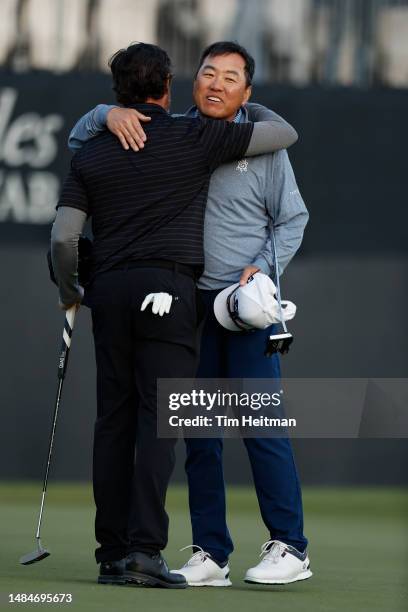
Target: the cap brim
(221, 310)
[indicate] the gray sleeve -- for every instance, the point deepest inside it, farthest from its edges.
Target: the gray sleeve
(258, 112)
(287, 211)
(88, 126)
(265, 260)
(67, 228)
(270, 136)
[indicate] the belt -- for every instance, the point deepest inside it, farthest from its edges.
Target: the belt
(190, 271)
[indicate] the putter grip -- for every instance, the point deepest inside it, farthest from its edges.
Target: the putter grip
(66, 340)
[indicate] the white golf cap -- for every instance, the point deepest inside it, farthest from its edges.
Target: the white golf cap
(252, 306)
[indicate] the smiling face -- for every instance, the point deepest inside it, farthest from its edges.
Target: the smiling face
(220, 87)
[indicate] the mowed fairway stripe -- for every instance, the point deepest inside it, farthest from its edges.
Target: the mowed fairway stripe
(358, 549)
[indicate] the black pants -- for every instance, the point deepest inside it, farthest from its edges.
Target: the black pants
(133, 349)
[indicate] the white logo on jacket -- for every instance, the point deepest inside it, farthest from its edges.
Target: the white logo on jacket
(242, 166)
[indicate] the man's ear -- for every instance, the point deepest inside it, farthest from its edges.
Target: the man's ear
(247, 95)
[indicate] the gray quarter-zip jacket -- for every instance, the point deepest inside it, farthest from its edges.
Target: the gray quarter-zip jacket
(246, 201)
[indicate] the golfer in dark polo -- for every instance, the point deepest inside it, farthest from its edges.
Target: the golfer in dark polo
(147, 211)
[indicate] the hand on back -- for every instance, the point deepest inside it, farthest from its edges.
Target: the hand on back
(125, 124)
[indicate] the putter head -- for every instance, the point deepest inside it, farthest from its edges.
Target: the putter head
(278, 343)
(37, 555)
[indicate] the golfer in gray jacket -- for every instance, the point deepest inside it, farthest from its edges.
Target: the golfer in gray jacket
(247, 201)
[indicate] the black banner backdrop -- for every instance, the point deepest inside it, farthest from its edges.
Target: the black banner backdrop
(36, 114)
(349, 279)
(349, 161)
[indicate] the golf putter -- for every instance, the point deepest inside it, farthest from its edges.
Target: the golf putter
(278, 343)
(41, 553)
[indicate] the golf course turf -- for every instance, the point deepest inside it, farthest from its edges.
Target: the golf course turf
(358, 550)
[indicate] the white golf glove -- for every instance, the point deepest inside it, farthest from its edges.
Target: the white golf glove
(161, 303)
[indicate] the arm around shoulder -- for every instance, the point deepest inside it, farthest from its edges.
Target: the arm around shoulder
(271, 136)
(89, 125)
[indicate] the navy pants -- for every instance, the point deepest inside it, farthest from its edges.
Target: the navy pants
(227, 354)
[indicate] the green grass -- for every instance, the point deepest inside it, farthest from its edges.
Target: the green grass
(358, 549)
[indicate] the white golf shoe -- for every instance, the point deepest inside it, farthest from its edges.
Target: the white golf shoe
(201, 570)
(281, 564)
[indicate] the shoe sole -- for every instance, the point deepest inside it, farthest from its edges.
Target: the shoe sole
(303, 576)
(139, 579)
(211, 583)
(115, 580)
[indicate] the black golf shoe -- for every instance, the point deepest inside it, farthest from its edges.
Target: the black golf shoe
(151, 570)
(112, 572)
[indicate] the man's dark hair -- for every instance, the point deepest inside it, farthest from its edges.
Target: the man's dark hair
(223, 48)
(140, 72)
